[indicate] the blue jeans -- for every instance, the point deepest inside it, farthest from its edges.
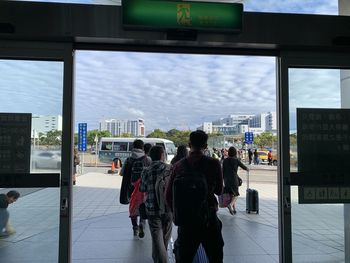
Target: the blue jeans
(160, 228)
(4, 218)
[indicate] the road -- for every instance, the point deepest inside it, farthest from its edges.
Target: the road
(258, 173)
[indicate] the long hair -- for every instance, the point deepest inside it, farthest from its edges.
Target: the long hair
(182, 152)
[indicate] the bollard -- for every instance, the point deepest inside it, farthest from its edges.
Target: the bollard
(112, 170)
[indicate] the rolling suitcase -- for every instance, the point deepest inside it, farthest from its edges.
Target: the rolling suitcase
(252, 199)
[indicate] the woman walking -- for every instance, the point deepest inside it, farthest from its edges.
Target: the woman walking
(231, 178)
(182, 152)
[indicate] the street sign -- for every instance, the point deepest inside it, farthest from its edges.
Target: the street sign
(248, 137)
(182, 15)
(82, 137)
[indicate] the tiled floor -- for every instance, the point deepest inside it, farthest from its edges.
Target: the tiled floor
(102, 231)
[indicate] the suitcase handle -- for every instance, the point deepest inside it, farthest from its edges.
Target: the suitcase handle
(247, 179)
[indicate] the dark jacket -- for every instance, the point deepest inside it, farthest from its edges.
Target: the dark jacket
(3, 201)
(230, 168)
(212, 170)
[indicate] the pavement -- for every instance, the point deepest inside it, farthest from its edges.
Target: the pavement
(102, 233)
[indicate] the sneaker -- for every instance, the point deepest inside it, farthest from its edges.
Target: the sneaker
(135, 230)
(234, 211)
(4, 234)
(141, 232)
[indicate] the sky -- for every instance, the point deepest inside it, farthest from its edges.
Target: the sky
(167, 90)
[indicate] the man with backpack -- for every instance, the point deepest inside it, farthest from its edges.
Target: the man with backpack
(192, 184)
(153, 181)
(129, 192)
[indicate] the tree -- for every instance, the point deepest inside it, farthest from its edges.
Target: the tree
(178, 137)
(157, 133)
(52, 138)
(265, 139)
(293, 139)
(125, 135)
(92, 134)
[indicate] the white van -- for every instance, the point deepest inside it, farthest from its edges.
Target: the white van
(115, 147)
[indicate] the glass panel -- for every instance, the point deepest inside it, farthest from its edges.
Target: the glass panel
(317, 229)
(106, 146)
(33, 87)
(120, 146)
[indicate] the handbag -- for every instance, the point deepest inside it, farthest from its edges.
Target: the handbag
(224, 200)
(240, 181)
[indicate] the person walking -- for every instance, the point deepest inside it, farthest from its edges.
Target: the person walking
(231, 178)
(250, 156)
(256, 157)
(269, 157)
(208, 233)
(129, 192)
(181, 152)
(153, 180)
(5, 201)
(146, 148)
(76, 162)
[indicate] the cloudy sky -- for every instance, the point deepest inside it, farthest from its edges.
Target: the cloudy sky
(168, 90)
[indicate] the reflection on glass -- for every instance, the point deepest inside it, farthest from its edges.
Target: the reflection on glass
(34, 87)
(317, 229)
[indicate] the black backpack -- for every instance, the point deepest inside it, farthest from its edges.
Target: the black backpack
(190, 197)
(137, 168)
(132, 171)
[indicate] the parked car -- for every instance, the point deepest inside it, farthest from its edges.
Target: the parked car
(93, 150)
(263, 157)
(47, 160)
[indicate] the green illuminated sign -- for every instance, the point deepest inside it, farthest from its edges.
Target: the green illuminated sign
(182, 15)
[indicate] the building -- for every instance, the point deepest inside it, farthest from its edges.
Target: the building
(264, 122)
(241, 123)
(135, 128)
(45, 123)
(206, 127)
(234, 119)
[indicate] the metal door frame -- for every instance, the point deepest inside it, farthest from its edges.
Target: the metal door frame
(55, 51)
(286, 60)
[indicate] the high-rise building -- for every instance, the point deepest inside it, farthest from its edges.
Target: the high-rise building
(241, 123)
(135, 128)
(45, 123)
(234, 119)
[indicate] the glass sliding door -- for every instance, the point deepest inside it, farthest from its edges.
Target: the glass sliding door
(34, 161)
(316, 221)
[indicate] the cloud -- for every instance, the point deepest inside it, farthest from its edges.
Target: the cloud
(172, 90)
(322, 7)
(167, 90)
(135, 112)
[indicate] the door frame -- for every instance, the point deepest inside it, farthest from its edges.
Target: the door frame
(54, 51)
(287, 60)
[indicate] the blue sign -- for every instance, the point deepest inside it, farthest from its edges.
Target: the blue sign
(249, 137)
(82, 137)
